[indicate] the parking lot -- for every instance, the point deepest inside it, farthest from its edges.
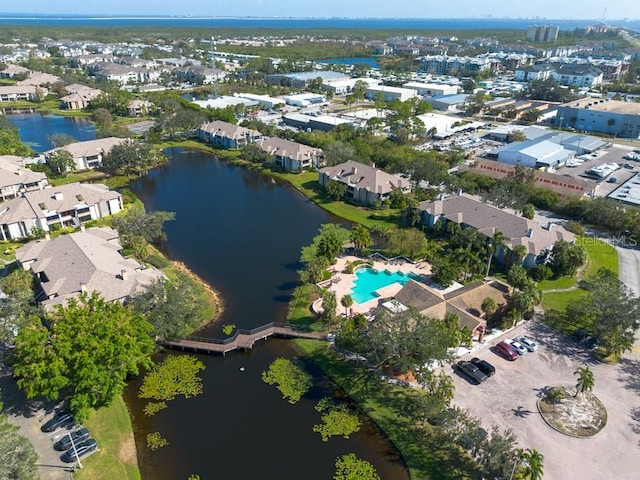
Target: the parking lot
(508, 399)
(610, 155)
(29, 416)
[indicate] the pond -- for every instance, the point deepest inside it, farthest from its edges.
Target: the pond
(242, 232)
(35, 129)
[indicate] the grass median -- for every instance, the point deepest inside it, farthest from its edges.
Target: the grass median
(116, 458)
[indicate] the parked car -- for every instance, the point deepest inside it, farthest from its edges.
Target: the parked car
(484, 366)
(82, 450)
(528, 343)
(78, 437)
(471, 371)
(62, 419)
(518, 347)
(507, 351)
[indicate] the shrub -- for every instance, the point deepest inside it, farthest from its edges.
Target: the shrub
(158, 261)
(575, 227)
(541, 272)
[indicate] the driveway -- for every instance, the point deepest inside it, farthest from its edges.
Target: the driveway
(29, 415)
(508, 399)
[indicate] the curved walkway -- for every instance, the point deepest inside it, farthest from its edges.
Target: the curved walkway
(241, 340)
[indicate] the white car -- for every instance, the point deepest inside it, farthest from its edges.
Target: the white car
(528, 344)
(518, 347)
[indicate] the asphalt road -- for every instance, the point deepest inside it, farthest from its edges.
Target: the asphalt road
(508, 399)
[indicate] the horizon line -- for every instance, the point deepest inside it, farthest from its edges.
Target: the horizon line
(281, 17)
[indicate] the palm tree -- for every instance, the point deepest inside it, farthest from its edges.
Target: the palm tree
(495, 242)
(346, 302)
(533, 462)
(360, 237)
(585, 381)
(489, 306)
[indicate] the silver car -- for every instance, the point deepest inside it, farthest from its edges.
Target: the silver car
(528, 343)
(518, 347)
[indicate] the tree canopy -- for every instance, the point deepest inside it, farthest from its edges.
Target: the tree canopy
(148, 226)
(129, 157)
(83, 352)
(173, 307)
(18, 459)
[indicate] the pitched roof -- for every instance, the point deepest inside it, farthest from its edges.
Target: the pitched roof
(228, 130)
(418, 295)
(289, 149)
(13, 173)
(37, 203)
(487, 219)
(85, 260)
(90, 148)
(364, 176)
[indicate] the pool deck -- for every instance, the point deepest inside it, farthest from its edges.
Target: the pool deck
(342, 283)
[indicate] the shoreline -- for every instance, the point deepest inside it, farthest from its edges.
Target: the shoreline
(214, 295)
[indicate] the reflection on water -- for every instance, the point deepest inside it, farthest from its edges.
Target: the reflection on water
(243, 233)
(35, 129)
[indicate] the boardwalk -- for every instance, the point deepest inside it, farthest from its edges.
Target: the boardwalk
(241, 340)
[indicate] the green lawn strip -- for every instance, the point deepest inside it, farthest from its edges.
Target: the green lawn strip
(220, 153)
(389, 408)
(111, 427)
(562, 282)
(300, 312)
(208, 302)
(86, 176)
(600, 255)
(307, 184)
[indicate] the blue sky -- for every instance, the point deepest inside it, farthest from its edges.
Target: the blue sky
(577, 9)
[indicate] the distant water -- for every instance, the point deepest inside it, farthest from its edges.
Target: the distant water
(372, 62)
(302, 23)
(35, 129)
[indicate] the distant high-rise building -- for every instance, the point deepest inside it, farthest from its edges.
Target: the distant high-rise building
(542, 33)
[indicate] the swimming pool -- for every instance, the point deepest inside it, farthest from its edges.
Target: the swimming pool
(368, 280)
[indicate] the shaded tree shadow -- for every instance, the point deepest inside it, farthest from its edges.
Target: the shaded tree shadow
(521, 412)
(543, 391)
(634, 413)
(287, 286)
(630, 374)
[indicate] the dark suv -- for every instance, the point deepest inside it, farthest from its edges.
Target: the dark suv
(484, 366)
(62, 419)
(81, 449)
(65, 443)
(471, 371)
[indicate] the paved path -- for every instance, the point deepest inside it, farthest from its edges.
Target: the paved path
(29, 416)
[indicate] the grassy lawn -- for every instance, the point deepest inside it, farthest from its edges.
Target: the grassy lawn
(111, 427)
(426, 456)
(222, 154)
(600, 255)
(86, 176)
(307, 183)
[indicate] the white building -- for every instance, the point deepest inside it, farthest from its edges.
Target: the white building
(344, 86)
(264, 100)
(390, 93)
(304, 99)
(535, 154)
(431, 89)
(441, 123)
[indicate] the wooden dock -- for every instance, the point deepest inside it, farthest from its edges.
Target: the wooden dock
(241, 339)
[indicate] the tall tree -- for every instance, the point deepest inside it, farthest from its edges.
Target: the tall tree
(612, 311)
(84, 355)
(585, 382)
(60, 162)
(130, 157)
(360, 236)
(533, 463)
(495, 242)
(346, 302)
(18, 459)
(489, 306)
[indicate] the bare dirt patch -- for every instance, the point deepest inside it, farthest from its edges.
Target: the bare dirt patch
(578, 416)
(127, 452)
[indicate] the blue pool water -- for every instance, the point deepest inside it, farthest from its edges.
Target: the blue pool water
(368, 280)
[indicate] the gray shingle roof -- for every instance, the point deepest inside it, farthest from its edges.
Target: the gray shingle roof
(289, 149)
(364, 176)
(87, 260)
(488, 219)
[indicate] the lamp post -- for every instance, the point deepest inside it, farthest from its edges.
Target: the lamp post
(561, 119)
(75, 452)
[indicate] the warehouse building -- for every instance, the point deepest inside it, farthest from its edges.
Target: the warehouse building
(390, 93)
(611, 117)
(431, 89)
